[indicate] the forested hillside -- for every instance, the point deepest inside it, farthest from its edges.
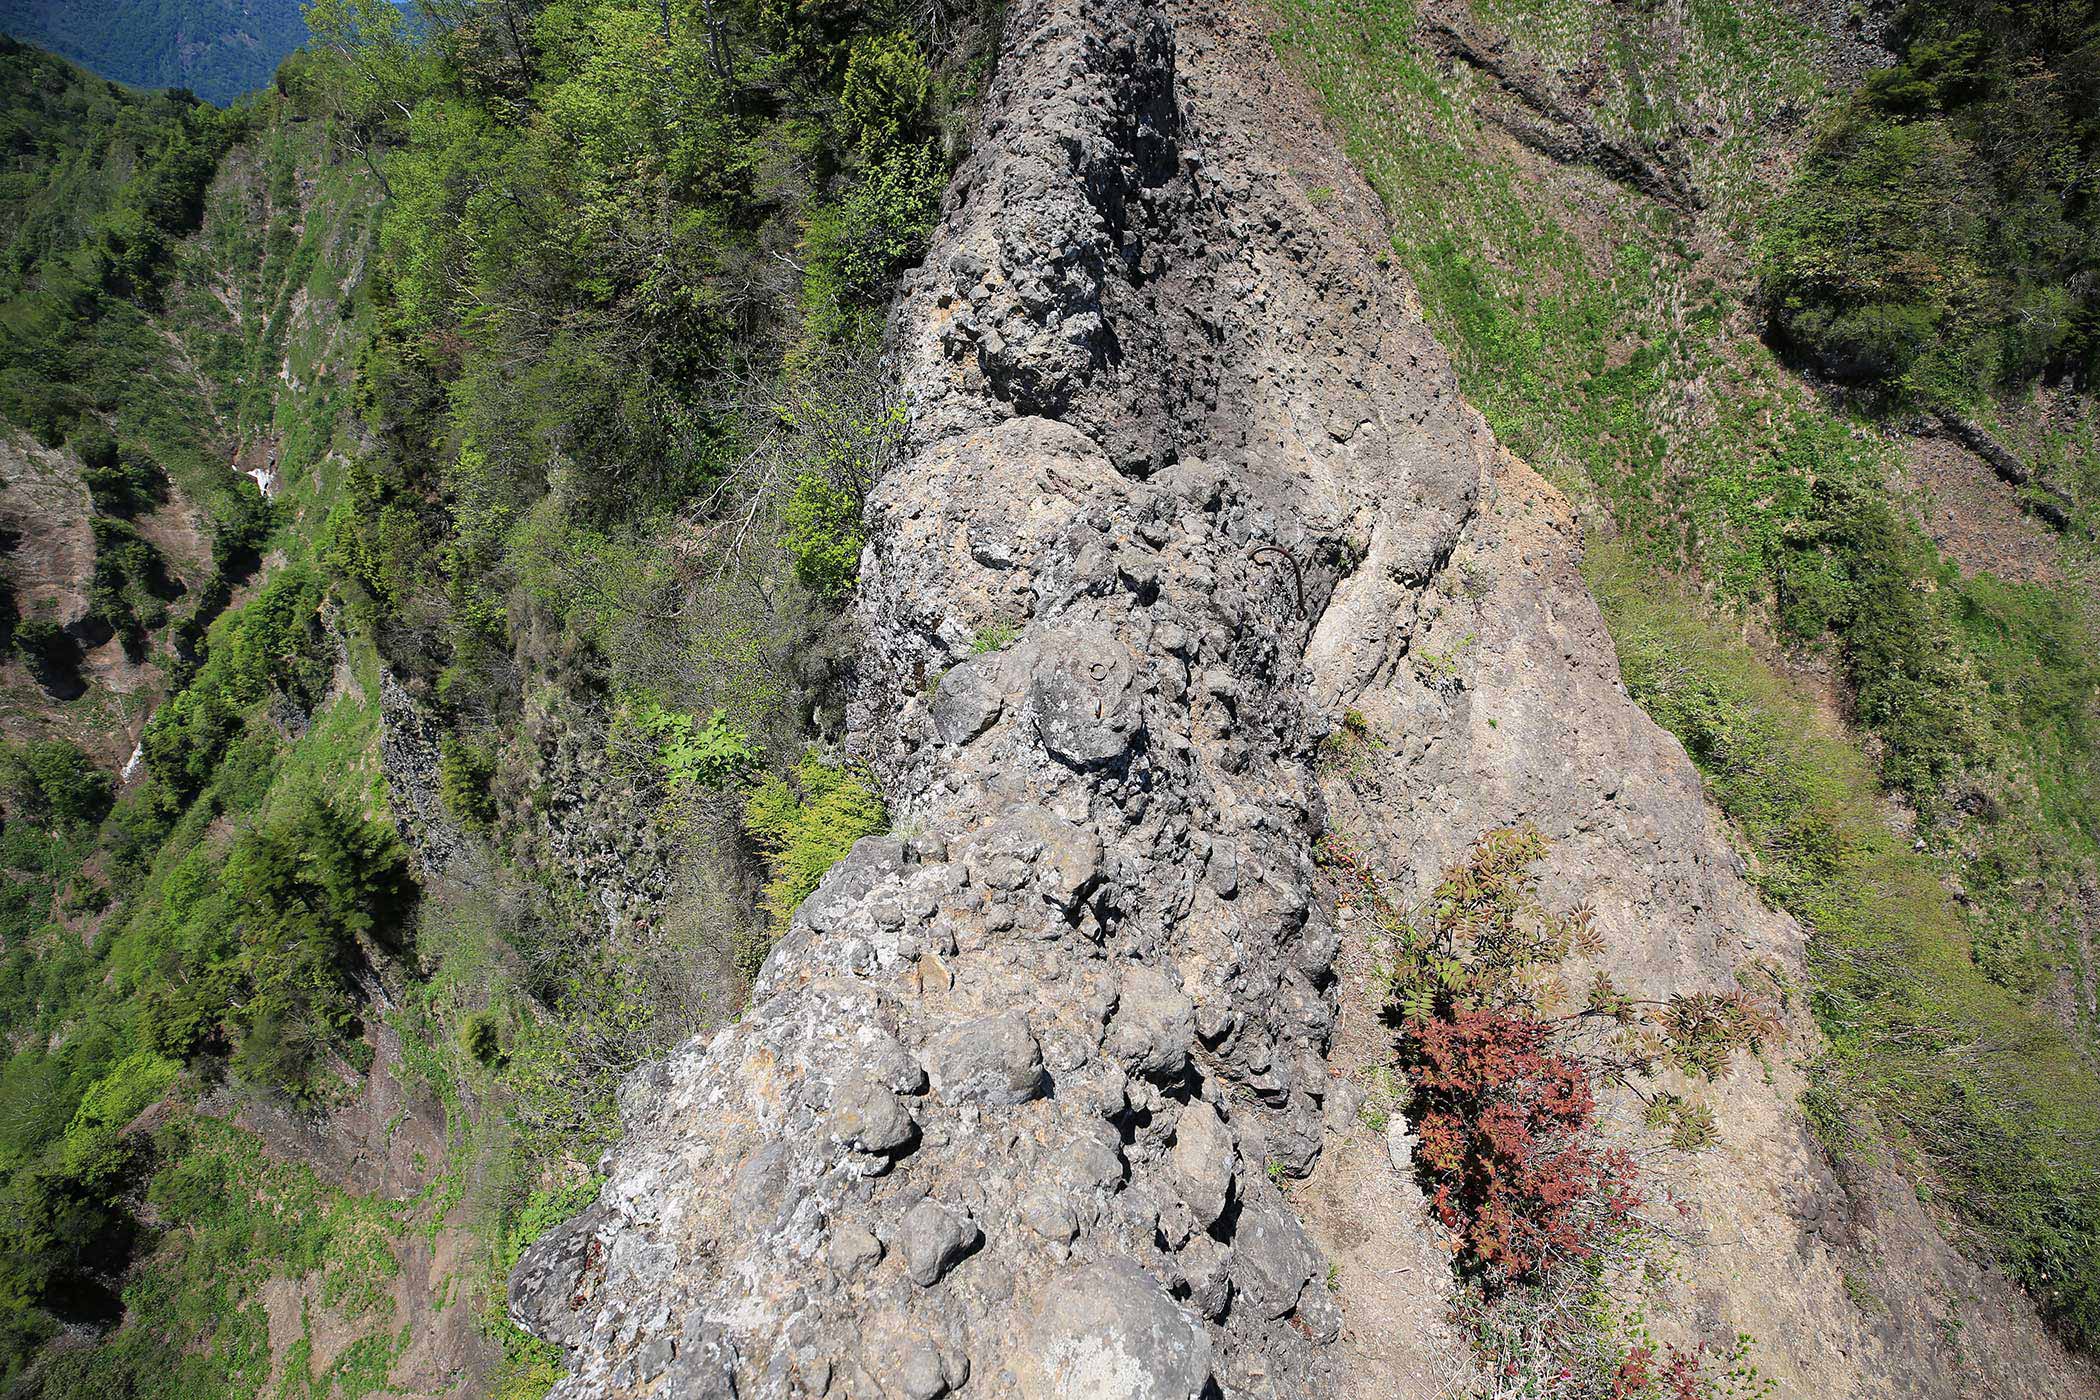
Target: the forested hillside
(503, 384)
(219, 49)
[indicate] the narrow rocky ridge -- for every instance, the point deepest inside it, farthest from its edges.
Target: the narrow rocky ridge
(1010, 1107)
(1004, 1111)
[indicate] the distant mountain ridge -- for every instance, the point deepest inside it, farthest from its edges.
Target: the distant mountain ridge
(218, 49)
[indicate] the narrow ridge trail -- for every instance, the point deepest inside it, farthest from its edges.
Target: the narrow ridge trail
(1013, 1105)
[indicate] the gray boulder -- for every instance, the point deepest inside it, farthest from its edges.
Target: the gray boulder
(990, 1060)
(1108, 1332)
(931, 1239)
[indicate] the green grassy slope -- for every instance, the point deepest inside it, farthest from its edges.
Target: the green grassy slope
(1613, 340)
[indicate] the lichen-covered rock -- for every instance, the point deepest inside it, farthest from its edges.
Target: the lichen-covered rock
(1108, 1331)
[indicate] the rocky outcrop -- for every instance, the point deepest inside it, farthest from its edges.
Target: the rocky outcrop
(2046, 499)
(1007, 1108)
(1010, 1108)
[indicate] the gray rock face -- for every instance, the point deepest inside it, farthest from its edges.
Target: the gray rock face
(867, 1115)
(1001, 1116)
(1203, 1163)
(993, 1060)
(1108, 1331)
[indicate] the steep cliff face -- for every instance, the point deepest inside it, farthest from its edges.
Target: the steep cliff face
(1017, 1105)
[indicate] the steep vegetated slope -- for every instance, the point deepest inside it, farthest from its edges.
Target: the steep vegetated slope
(177, 278)
(219, 49)
(1589, 202)
(545, 329)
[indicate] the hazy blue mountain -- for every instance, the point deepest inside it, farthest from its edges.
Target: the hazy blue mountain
(218, 49)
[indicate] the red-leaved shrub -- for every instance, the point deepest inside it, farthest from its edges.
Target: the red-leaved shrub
(1509, 1144)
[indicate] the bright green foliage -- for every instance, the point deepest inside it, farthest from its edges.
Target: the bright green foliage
(821, 529)
(119, 1096)
(858, 246)
(844, 440)
(887, 92)
(692, 754)
(804, 823)
(998, 636)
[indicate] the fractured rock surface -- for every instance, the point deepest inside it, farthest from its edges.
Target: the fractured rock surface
(1007, 1111)
(1003, 1115)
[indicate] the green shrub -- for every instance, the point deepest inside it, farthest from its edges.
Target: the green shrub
(695, 755)
(58, 783)
(1911, 684)
(175, 1020)
(481, 1037)
(305, 890)
(47, 649)
(823, 534)
(130, 587)
(804, 823)
(1936, 239)
(465, 771)
(275, 645)
(858, 245)
(93, 445)
(134, 1084)
(886, 92)
(1868, 263)
(997, 636)
(130, 484)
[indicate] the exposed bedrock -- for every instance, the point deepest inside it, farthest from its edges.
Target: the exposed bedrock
(1008, 1110)
(1004, 1114)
